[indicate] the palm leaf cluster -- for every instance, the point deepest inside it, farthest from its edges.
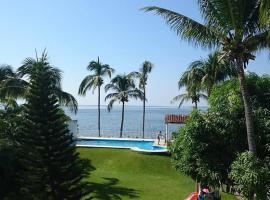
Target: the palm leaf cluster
(15, 85)
(122, 88)
(201, 76)
(95, 80)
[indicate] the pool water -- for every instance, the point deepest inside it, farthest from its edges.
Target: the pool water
(140, 144)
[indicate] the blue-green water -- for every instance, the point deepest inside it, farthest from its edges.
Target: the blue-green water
(110, 121)
(143, 145)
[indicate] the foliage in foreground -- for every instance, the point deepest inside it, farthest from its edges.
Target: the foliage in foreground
(209, 143)
(251, 176)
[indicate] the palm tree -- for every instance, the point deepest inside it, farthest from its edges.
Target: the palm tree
(194, 96)
(6, 72)
(233, 25)
(95, 80)
(17, 84)
(191, 79)
(143, 77)
(211, 71)
(123, 87)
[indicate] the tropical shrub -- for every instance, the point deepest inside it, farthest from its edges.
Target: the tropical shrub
(208, 144)
(251, 176)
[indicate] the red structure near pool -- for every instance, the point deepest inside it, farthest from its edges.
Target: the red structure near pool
(174, 119)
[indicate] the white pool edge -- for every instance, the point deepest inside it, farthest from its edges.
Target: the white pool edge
(122, 147)
(112, 138)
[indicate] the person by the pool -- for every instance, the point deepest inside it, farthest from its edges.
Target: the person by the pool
(158, 137)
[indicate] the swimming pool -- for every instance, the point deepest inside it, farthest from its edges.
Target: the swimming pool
(134, 144)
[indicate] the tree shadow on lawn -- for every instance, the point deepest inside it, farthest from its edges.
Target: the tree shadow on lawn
(109, 190)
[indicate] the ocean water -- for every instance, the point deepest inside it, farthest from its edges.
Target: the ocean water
(110, 121)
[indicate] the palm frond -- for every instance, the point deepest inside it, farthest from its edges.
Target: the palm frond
(136, 94)
(86, 85)
(202, 96)
(6, 71)
(111, 86)
(178, 98)
(258, 42)
(189, 29)
(110, 105)
(211, 10)
(265, 12)
(14, 88)
(112, 95)
(182, 101)
(66, 99)
(107, 70)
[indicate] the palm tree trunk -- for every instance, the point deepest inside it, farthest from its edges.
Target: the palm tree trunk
(143, 112)
(99, 111)
(248, 109)
(196, 105)
(122, 120)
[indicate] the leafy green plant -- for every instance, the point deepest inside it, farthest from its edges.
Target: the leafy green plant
(251, 176)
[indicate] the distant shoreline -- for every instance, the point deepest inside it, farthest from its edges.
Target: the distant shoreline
(141, 106)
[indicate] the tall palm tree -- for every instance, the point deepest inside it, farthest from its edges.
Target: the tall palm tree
(95, 80)
(194, 96)
(143, 77)
(233, 25)
(122, 87)
(17, 85)
(211, 71)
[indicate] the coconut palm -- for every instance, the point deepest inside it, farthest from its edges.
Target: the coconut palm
(233, 25)
(194, 96)
(191, 78)
(211, 71)
(123, 88)
(6, 72)
(142, 75)
(95, 80)
(17, 86)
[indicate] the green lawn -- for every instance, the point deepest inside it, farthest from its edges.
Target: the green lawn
(124, 174)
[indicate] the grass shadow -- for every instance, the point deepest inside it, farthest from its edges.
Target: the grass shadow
(109, 190)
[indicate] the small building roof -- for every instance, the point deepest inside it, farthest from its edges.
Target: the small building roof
(175, 119)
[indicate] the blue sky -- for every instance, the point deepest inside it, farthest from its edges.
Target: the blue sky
(75, 32)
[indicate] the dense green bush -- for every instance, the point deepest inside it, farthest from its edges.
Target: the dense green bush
(251, 176)
(208, 144)
(204, 151)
